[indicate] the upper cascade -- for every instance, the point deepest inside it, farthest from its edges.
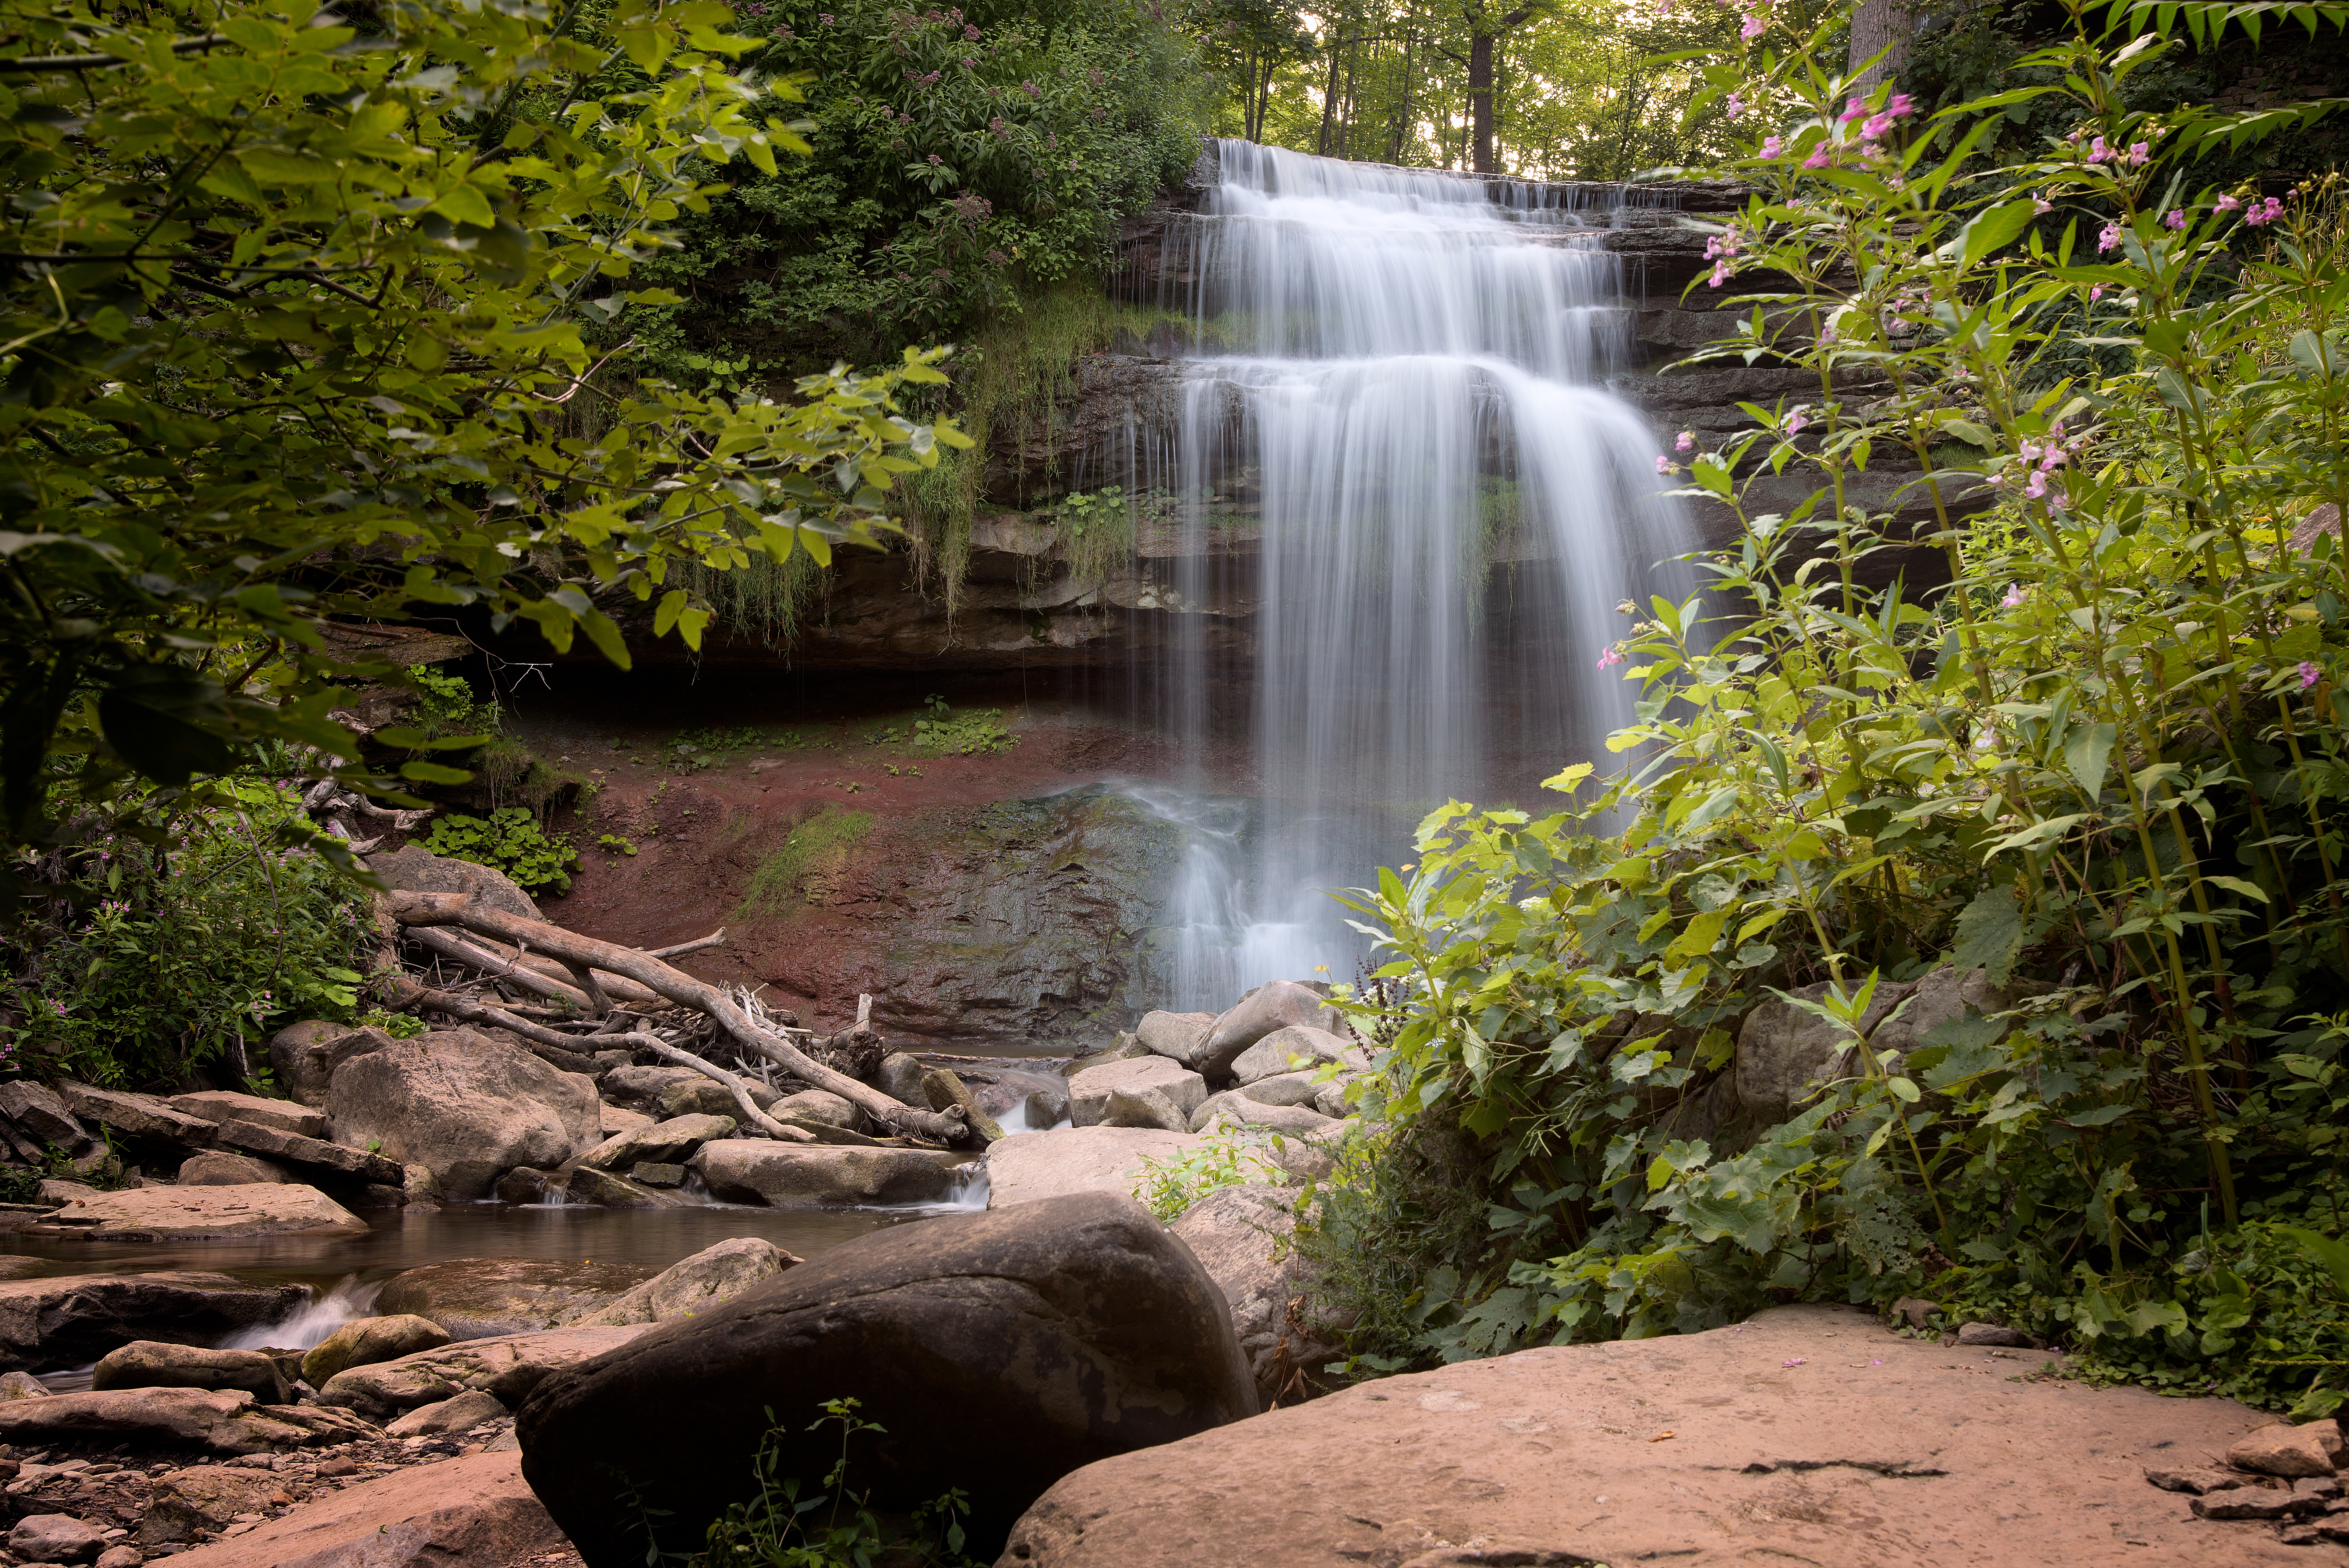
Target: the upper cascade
(1300, 257)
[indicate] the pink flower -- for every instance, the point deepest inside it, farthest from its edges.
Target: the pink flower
(1821, 156)
(2229, 204)
(1771, 147)
(2098, 151)
(2308, 674)
(2177, 219)
(2110, 238)
(1719, 274)
(2041, 205)
(1901, 106)
(1853, 109)
(1794, 422)
(2037, 486)
(1736, 106)
(1609, 656)
(2265, 213)
(2014, 600)
(1796, 1361)
(2137, 152)
(1752, 29)
(2095, 293)
(1664, 465)
(1687, 443)
(1877, 126)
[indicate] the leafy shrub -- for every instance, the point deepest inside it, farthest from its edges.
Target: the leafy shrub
(143, 959)
(1233, 1159)
(976, 734)
(512, 839)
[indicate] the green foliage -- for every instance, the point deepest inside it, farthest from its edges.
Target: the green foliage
(144, 958)
(978, 733)
(1232, 1159)
(615, 843)
(398, 1026)
(448, 708)
(297, 330)
(2101, 765)
(817, 846)
(510, 839)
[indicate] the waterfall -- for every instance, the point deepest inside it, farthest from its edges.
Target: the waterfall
(1400, 374)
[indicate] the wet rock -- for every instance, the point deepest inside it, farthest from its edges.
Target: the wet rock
(461, 1414)
(217, 1105)
(140, 1115)
(2284, 1449)
(306, 1056)
(658, 1176)
(508, 1367)
(942, 1088)
(1993, 1333)
(465, 1105)
(1080, 1325)
(1029, 1167)
(1275, 1005)
(471, 1298)
(415, 869)
(203, 1498)
(217, 1422)
(318, 1158)
(1144, 1108)
(699, 1283)
(72, 1319)
(669, 1140)
(528, 1184)
(55, 1538)
(1233, 1108)
(814, 1105)
(152, 1364)
(1178, 1037)
(1089, 1090)
(369, 1341)
(36, 1108)
(215, 1169)
(204, 1213)
(471, 1513)
(603, 1190)
(1293, 1049)
(792, 1175)
(22, 1385)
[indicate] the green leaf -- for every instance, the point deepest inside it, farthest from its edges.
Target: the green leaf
(2086, 751)
(1989, 934)
(2327, 1253)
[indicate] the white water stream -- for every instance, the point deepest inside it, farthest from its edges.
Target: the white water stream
(1402, 371)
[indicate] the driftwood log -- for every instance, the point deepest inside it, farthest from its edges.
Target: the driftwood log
(415, 910)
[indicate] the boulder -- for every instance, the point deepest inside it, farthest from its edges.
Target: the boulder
(215, 1169)
(814, 1105)
(662, 1174)
(55, 1538)
(942, 1089)
(461, 1414)
(700, 1095)
(1030, 1166)
(371, 1340)
(1781, 1048)
(41, 1113)
(1089, 1090)
(672, 1139)
(471, 1513)
(22, 1385)
(325, 1161)
(1942, 996)
(465, 1106)
(2284, 1449)
(699, 1283)
(1286, 1089)
(645, 1083)
(474, 1298)
(1808, 1434)
(415, 869)
(1079, 1325)
(1297, 1047)
(73, 1319)
(1275, 1005)
(203, 1213)
(1124, 1048)
(1242, 1236)
(795, 1175)
(1233, 1108)
(217, 1105)
(899, 1076)
(614, 1120)
(528, 1184)
(604, 1190)
(1024, 1100)
(508, 1367)
(203, 1496)
(155, 1364)
(306, 1056)
(1144, 1108)
(140, 1115)
(1178, 1037)
(1328, 1098)
(54, 1194)
(218, 1421)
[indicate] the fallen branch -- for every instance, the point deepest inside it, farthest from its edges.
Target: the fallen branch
(552, 1045)
(715, 939)
(457, 950)
(742, 1091)
(415, 910)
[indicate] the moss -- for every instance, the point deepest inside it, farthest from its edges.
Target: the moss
(765, 599)
(816, 846)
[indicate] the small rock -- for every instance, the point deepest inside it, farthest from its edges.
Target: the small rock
(1124, 1049)
(527, 1184)
(899, 1076)
(2195, 1481)
(56, 1194)
(339, 1465)
(1916, 1312)
(2252, 1503)
(649, 1174)
(605, 1191)
(818, 1105)
(203, 1498)
(22, 1385)
(1993, 1333)
(152, 1364)
(461, 1414)
(699, 1283)
(122, 1557)
(1286, 1089)
(942, 1089)
(2284, 1449)
(616, 1119)
(215, 1169)
(55, 1538)
(663, 1144)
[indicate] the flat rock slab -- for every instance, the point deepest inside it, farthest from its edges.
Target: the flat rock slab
(474, 1513)
(358, 1164)
(203, 1213)
(73, 1319)
(1032, 1165)
(1810, 1434)
(789, 1175)
(509, 1367)
(210, 1421)
(141, 1115)
(219, 1105)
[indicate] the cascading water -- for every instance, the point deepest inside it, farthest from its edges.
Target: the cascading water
(1401, 370)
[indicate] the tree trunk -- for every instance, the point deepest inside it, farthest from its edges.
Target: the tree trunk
(1878, 27)
(1329, 100)
(1480, 99)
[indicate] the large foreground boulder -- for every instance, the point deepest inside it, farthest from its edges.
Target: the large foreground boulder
(1057, 1333)
(203, 1214)
(463, 1106)
(473, 1513)
(68, 1320)
(1808, 1435)
(474, 1298)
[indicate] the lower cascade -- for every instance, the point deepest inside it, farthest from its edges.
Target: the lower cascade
(1398, 372)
